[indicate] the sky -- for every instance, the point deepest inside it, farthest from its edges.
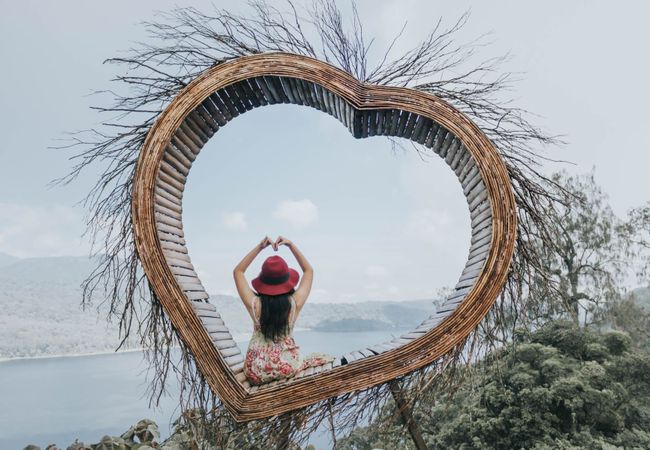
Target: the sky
(376, 224)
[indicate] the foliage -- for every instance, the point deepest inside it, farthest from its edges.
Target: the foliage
(557, 388)
(589, 256)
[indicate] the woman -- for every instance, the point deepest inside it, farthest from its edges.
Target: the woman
(274, 307)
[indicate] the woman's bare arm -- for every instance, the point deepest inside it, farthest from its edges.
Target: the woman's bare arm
(302, 292)
(245, 292)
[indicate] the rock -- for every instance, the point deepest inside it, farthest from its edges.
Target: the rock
(145, 430)
(32, 447)
(76, 445)
(110, 443)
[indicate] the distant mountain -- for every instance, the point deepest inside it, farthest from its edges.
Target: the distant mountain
(6, 260)
(361, 316)
(41, 313)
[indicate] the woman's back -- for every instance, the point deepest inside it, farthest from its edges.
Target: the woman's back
(271, 359)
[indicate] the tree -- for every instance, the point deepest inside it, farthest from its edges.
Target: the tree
(590, 255)
(557, 388)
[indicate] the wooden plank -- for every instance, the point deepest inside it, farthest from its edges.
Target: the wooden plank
(213, 320)
(471, 181)
(225, 344)
(412, 335)
(320, 97)
(476, 191)
(471, 274)
(366, 353)
(403, 121)
(286, 88)
(279, 87)
(182, 136)
(235, 367)
(241, 104)
(165, 228)
(475, 250)
(349, 117)
(182, 271)
(440, 140)
(207, 118)
(410, 126)
(444, 148)
(364, 122)
(163, 218)
(467, 168)
(173, 246)
(167, 204)
(484, 238)
(308, 91)
(420, 135)
(464, 159)
(219, 330)
(227, 110)
(196, 295)
(173, 167)
(485, 215)
(478, 257)
(214, 111)
(186, 158)
(228, 103)
(202, 306)
(173, 191)
(171, 237)
(230, 352)
(394, 122)
(172, 172)
(453, 151)
(435, 129)
(264, 93)
(174, 262)
(292, 90)
(171, 181)
(458, 155)
(252, 88)
(195, 138)
(198, 127)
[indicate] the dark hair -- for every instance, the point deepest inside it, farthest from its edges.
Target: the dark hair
(274, 317)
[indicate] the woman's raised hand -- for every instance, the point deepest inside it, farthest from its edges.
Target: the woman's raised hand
(281, 241)
(266, 242)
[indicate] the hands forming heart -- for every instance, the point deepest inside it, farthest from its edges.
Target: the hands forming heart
(276, 245)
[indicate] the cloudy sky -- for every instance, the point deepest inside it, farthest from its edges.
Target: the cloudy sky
(376, 224)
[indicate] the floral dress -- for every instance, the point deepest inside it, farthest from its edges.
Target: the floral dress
(268, 360)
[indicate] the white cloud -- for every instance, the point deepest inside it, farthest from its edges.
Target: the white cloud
(31, 231)
(297, 213)
(235, 221)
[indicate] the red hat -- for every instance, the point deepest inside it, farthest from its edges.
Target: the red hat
(276, 277)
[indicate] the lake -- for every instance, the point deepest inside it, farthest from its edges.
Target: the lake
(55, 400)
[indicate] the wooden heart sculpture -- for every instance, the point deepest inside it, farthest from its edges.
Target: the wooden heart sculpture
(230, 89)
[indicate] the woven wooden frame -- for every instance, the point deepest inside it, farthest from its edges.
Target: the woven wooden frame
(227, 90)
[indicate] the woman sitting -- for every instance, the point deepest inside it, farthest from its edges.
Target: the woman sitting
(274, 307)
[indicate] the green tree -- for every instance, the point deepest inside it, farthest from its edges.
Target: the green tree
(558, 388)
(590, 254)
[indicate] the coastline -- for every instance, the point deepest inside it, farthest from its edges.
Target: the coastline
(239, 338)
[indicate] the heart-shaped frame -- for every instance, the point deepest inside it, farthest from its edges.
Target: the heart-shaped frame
(229, 89)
